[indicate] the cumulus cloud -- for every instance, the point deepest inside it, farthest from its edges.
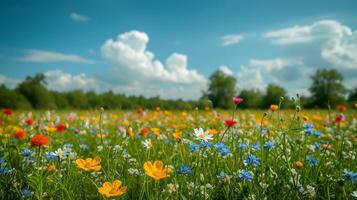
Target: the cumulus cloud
(226, 70)
(336, 43)
(259, 72)
(228, 40)
(78, 17)
(41, 56)
(61, 81)
(8, 81)
(135, 70)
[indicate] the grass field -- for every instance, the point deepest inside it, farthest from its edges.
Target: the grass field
(277, 154)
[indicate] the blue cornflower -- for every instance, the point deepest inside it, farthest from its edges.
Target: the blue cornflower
(245, 175)
(252, 160)
(29, 160)
(2, 160)
(184, 169)
(25, 193)
(309, 131)
(256, 146)
(317, 145)
(311, 160)
(222, 175)
(84, 147)
(194, 147)
(4, 170)
(308, 126)
(51, 156)
(243, 146)
(205, 144)
(269, 144)
(350, 176)
(26, 152)
(317, 134)
(223, 149)
(68, 145)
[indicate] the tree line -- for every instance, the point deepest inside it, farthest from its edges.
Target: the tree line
(326, 89)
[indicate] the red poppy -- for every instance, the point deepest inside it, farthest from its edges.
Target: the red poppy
(7, 111)
(144, 131)
(21, 135)
(39, 140)
(61, 127)
(29, 121)
(230, 122)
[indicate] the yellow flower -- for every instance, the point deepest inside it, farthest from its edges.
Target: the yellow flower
(156, 131)
(50, 128)
(305, 119)
(112, 189)
(212, 131)
(177, 135)
(51, 168)
(102, 136)
(156, 170)
(89, 164)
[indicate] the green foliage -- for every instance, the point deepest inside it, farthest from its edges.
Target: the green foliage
(252, 99)
(273, 95)
(12, 99)
(327, 88)
(221, 89)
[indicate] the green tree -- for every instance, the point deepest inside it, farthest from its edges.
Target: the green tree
(273, 95)
(33, 88)
(77, 99)
(12, 99)
(222, 88)
(252, 99)
(327, 88)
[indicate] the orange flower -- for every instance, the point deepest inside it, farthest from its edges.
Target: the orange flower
(21, 134)
(156, 170)
(341, 108)
(112, 189)
(212, 131)
(144, 131)
(177, 135)
(299, 164)
(305, 119)
(89, 164)
(39, 140)
(29, 121)
(273, 107)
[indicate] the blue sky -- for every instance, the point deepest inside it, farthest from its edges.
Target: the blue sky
(169, 48)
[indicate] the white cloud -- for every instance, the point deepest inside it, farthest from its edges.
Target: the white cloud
(61, 81)
(337, 43)
(232, 39)
(41, 56)
(8, 81)
(226, 70)
(78, 18)
(130, 57)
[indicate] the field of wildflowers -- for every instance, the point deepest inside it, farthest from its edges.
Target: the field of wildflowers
(240, 154)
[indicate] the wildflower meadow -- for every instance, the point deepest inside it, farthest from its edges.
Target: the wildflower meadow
(193, 154)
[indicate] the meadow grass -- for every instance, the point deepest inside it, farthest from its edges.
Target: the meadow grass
(281, 154)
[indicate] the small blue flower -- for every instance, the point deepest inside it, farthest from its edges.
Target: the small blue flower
(51, 156)
(26, 152)
(68, 145)
(25, 193)
(205, 144)
(84, 147)
(317, 134)
(308, 126)
(4, 170)
(223, 149)
(311, 160)
(194, 147)
(256, 146)
(243, 146)
(317, 145)
(350, 176)
(2, 160)
(29, 160)
(245, 175)
(184, 169)
(252, 160)
(309, 131)
(269, 144)
(222, 175)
